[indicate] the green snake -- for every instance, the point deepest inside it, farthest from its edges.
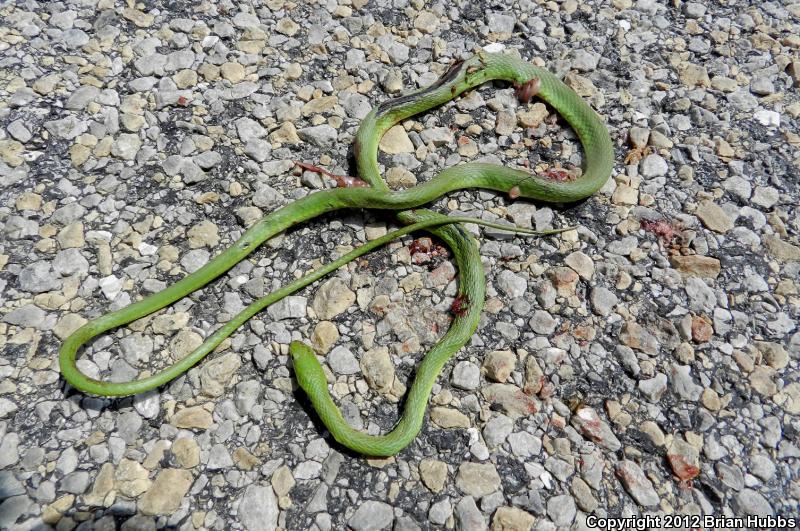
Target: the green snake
(372, 193)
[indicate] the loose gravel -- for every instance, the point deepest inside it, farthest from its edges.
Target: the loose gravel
(643, 363)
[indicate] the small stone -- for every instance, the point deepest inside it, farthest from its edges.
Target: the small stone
(590, 425)
(714, 217)
(752, 502)
(512, 519)
(524, 445)
(561, 510)
(323, 136)
(102, 493)
(342, 361)
(287, 27)
(702, 329)
(710, 400)
(169, 488)
(762, 379)
(448, 418)
(585, 61)
(513, 401)
(603, 300)
(219, 458)
(583, 495)
(185, 78)
(469, 516)
(372, 515)
(692, 75)
(765, 196)
(438, 136)
(638, 136)
(654, 388)
(38, 277)
(781, 250)
(285, 134)
(682, 383)
(497, 430)
(186, 451)
(426, 22)
(581, 263)
(217, 374)
(184, 343)
(625, 195)
(433, 474)
(477, 479)
(246, 396)
(399, 177)
(192, 417)
(637, 337)
(7, 407)
(282, 481)
(543, 323)
(126, 146)
(499, 364)
(762, 86)
(325, 335)
(204, 234)
(636, 483)
(534, 116)
(139, 18)
(332, 299)
(653, 166)
(19, 131)
(233, 72)
(258, 508)
(378, 369)
(511, 284)
(697, 265)
(466, 375)
(684, 459)
(71, 236)
(396, 141)
(10, 152)
(564, 279)
(774, 354)
(131, 478)
(27, 315)
(249, 129)
(291, 307)
(440, 512)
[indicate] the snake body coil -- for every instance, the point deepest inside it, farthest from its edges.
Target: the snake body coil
(598, 154)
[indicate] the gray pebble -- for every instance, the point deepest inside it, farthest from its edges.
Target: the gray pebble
(497, 430)
(38, 277)
(258, 507)
(219, 458)
(511, 284)
(75, 483)
(291, 307)
(323, 136)
(752, 502)
(653, 166)
(372, 516)
(342, 361)
(468, 516)
(440, 512)
(561, 510)
(466, 375)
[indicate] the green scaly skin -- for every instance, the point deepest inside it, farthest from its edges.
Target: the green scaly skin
(598, 152)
